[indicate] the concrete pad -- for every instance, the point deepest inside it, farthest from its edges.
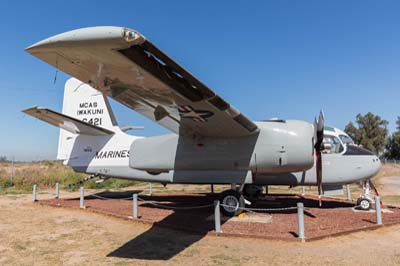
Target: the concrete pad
(371, 210)
(252, 218)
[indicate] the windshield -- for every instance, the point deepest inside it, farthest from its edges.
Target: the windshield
(346, 139)
(336, 145)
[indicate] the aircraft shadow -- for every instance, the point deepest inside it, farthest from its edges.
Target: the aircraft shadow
(171, 235)
(182, 228)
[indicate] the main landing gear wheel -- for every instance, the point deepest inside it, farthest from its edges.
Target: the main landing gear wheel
(364, 204)
(232, 202)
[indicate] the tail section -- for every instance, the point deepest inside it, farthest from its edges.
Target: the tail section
(86, 104)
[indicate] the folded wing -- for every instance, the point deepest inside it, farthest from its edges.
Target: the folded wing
(125, 66)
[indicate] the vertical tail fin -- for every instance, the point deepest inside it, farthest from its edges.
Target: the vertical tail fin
(85, 103)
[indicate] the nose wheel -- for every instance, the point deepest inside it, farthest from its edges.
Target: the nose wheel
(364, 204)
(232, 202)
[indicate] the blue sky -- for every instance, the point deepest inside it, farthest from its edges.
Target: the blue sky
(286, 59)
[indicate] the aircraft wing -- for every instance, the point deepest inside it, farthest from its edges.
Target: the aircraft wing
(122, 64)
(65, 122)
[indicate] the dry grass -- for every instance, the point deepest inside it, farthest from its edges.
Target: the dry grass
(45, 175)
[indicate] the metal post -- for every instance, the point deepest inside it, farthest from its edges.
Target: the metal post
(212, 188)
(378, 210)
(150, 189)
(34, 193)
(303, 190)
(12, 171)
(82, 198)
(300, 220)
(135, 205)
(348, 192)
(217, 217)
(57, 190)
(266, 190)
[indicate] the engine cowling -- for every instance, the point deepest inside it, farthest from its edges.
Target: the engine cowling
(284, 146)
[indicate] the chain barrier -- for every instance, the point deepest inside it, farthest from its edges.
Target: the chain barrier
(222, 205)
(261, 209)
(285, 209)
(105, 198)
(154, 203)
(333, 209)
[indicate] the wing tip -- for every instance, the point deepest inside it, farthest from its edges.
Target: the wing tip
(121, 35)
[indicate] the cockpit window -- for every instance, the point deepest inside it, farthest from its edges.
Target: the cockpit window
(346, 139)
(336, 145)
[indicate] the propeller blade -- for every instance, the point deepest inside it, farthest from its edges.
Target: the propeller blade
(319, 131)
(321, 121)
(319, 137)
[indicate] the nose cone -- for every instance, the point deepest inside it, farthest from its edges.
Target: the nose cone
(376, 165)
(358, 164)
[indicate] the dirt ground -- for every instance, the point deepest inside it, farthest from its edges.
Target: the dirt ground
(31, 234)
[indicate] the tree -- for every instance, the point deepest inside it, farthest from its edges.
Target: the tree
(393, 143)
(398, 123)
(3, 159)
(370, 133)
(393, 146)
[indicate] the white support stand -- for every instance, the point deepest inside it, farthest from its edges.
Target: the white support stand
(378, 210)
(348, 192)
(300, 221)
(217, 216)
(135, 206)
(34, 189)
(57, 191)
(82, 198)
(150, 189)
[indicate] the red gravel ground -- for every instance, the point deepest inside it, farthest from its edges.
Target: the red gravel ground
(335, 217)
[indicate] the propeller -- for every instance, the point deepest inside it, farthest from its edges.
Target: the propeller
(318, 146)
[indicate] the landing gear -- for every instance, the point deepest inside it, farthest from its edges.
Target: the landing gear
(252, 191)
(364, 202)
(232, 202)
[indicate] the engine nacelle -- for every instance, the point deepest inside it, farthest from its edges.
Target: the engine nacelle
(285, 146)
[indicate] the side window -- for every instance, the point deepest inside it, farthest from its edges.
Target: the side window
(336, 145)
(346, 140)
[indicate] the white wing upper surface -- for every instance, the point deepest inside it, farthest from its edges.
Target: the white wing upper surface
(125, 66)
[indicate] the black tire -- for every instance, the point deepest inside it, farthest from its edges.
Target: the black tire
(364, 204)
(232, 198)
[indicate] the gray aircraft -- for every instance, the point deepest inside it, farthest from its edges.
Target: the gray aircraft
(211, 141)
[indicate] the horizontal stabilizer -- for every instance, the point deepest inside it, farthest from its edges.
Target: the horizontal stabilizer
(68, 123)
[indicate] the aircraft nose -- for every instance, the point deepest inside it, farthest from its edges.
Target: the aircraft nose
(375, 165)
(378, 164)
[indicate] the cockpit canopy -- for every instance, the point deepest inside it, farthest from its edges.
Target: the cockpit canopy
(336, 140)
